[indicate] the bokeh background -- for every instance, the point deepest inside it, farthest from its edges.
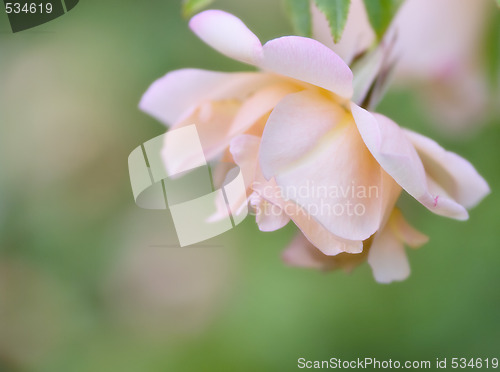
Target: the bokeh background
(90, 282)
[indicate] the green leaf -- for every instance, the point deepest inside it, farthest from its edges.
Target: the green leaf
(498, 3)
(381, 13)
(189, 7)
(336, 11)
(300, 14)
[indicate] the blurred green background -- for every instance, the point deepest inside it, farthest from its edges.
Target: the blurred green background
(90, 282)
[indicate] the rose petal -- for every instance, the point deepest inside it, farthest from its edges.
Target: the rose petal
(310, 61)
(405, 232)
(175, 95)
(395, 153)
(227, 34)
(245, 151)
(313, 149)
(259, 104)
(387, 257)
(328, 243)
(269, 217)
(297, 57)
(453, 173)
(302, 253)
(390, 192)
(212, 121)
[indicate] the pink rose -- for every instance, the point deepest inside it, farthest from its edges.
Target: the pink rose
(291, 127)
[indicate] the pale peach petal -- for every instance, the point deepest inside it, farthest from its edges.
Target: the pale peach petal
(297, 57)
(236, 195)
(302, 253)
(227, 34)
(295, 127)
(358, 34)
(181, 152)
(174, 96)
(319, 236)
(395, 153)
(328, 243)
(454, 174)
(269, 217)
(269, 222)
(261, 103)
(390, 192)
(405, 232)
(310, 61)
(387, 257)
(213, 121)
(234, 198)
(245, 151)
(258, 127)
(310, 144)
